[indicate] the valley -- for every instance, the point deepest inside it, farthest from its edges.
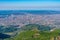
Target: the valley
(30, 25)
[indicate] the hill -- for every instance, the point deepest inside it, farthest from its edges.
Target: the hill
(39, 27)
(36, 32)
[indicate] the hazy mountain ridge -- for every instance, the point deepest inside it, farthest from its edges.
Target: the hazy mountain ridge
(17, 12)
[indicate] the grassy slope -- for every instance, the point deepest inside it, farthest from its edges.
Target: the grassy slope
(28, 34)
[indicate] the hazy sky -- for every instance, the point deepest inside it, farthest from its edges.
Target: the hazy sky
(30, 4)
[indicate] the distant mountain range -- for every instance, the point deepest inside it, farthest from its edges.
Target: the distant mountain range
(22, 12)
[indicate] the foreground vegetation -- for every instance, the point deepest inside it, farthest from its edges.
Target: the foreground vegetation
(36, 35)
(36, 32)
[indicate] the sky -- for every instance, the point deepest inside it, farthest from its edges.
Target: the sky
(29, 4)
